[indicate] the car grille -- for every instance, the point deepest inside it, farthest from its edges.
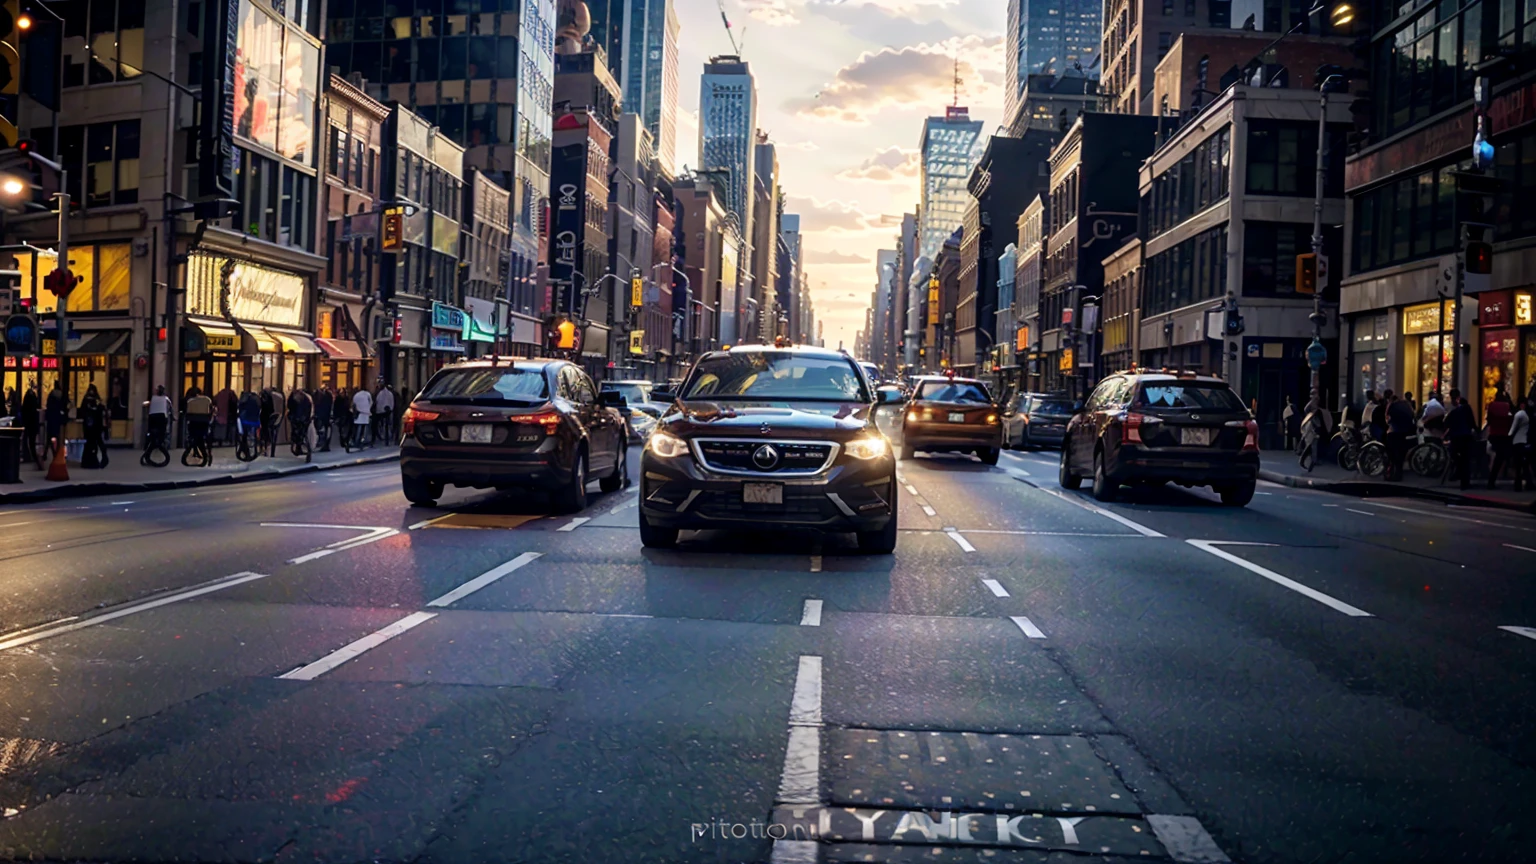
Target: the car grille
(797, 507)
(736, 456)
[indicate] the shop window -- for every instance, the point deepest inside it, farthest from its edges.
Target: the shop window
(102, 160)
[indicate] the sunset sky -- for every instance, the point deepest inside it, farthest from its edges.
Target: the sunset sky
(843, 88)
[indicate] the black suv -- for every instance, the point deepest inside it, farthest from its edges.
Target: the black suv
(1157, 427)
(765, 437)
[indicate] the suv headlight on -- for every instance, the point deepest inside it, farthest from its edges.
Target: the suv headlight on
(872, 447)
(666, 445)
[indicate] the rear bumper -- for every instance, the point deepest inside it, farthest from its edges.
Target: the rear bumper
(1184, 465)
(850, 497)
(1041, 435)
(941, 436)
(483, 470)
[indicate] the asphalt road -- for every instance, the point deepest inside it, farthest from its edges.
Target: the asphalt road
(309, 669)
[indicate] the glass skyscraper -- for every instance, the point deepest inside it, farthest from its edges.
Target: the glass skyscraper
(727, 132)
(1053, 35)
(950, 147)
(649, 72)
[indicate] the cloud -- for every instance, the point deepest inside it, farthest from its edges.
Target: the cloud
(687, 138)
(816, 256)
(774, 13)
(914, 76)
(891, 165)
(804, 146)
(835, 216)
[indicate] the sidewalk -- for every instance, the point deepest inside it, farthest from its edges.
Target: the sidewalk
(124, 474)
(1279, 466)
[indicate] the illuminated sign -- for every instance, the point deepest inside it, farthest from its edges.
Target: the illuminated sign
(1064, 364)
(1523, 308)
(1426, 318)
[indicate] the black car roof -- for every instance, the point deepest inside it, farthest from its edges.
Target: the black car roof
(804, 350)
(957, 379)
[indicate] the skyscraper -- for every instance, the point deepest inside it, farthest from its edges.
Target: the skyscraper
(1054, 36)
(727, 132)
(649, 72)
(949, 150)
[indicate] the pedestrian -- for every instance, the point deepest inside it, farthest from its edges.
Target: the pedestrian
(160, 416)
(55, 415)
(384, 413)
(1315, 426)
(250, 415)
(1433, 415)
(1460, 432)
(199, 416)
(12, 403)
(93, 422)
(1378, 416)
(225, 406)
(1497, 419)
(31, 413)
(1290, 425)
(1400, 431)
(362, 406)
(1520, 446)
(301, 410)
(323, 402)
(269, 416)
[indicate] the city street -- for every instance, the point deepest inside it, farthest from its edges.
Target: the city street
(310, 669)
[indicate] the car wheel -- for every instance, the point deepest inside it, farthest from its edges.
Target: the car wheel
(989, 454)
(908, 452)
(1237, 494)
(572, 497)
(655, 536)
(420, 491)
(1066, 478)
(620, 476)
(1104, 487)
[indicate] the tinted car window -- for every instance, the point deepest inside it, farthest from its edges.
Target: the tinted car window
(632, 392)
(952, 391)
(488, 384)
(1052, 406)
(775, 375)
(1188, 397)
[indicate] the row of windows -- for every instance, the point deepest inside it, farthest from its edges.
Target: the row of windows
(102, 160)
(393, 8)
(424, 183)
(103, 40)
(1199, 180)
(277, 201)
(471, 125)
(1194, 270)
(448, 59)
(1282, 159)
(352, 161)
(1269, 257)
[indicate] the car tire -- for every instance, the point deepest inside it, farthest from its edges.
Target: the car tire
(908, 452)
(572, 497)
(655, 536)
(420, 491)
(620, 476)
(1237, 494)
(1104, 486)
(1066, 478)
(882, 542)
(988, 454)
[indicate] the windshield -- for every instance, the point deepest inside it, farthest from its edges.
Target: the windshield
(952, 391)
(775, 375)
(632, 392)
(1188, 397)
(1052, 406)
(489, 384)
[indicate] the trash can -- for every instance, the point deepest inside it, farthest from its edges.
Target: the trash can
(10, 455)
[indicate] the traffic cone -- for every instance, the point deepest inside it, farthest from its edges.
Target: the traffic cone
(58, 469)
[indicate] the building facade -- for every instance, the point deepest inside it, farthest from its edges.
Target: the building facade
(1137, 36)
(650, 74)
(947, 151)
(728, 133)
(1031, 246)
(1049, 37)
(580, 266)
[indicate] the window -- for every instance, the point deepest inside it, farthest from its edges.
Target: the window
(1269, 257)
(277, 202)
(102, 160)
(103, 40)
(1190, 272)
(1164, 42)
(1282, 159)
(338, 161)
(1196, 182)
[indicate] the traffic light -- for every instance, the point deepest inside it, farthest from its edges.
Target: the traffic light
(1306, 273)
(564, 336)
(392, 235)
(43, 31)
(1478, 266)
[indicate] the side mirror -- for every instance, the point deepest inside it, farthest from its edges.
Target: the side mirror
(612, 399)
(886, 397)
(663, 396)
(1077, 407)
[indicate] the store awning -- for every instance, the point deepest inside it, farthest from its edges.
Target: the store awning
(340, 349)
(266, 343)
(102, 342)
(296, 343)
(217, 336)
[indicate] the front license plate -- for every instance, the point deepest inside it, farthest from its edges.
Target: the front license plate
(956, 417)
(1200, 437)
(476, 433)
(762, 493)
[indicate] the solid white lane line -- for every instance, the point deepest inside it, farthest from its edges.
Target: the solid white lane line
(1009, 532)
(805, 706)
(1527, 632)
(120, 503)
(928, 511)
(348, 652)
(815, 563)
(811, 616)
(1332, 603)
(964, 544)
(1361, 512)
(1446, 516)
(800, 781)
(1186, 840)
(19, 524)
(425, 522)
(575, 523)
(485, 579)
(27, 638)
(1028, 627)
(995, 587)
(1521, 548)
(1134, 526)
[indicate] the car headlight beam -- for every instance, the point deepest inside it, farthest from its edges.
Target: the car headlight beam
(666, 445)
(872, 447)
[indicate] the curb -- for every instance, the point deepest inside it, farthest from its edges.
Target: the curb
(1375, 489)
(87, 488)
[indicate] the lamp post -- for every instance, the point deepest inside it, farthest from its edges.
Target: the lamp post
(1317, 353)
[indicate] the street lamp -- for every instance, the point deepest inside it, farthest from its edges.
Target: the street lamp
(1317, 353)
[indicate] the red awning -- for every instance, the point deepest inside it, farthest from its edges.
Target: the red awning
(340, 349)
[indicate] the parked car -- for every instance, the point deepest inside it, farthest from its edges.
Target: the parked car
(1149, 428)
(951, 414)
(642, 420)
(770, 437)
(513, 424)
(634, 392)
(1036, 420)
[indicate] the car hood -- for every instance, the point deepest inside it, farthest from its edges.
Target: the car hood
(781, 418)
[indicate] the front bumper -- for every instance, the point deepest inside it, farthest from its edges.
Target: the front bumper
(1040, 434)
(939, 436)
(851, 496)
(1187, 465)
(484, 470)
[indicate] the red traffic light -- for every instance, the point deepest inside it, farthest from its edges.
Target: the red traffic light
(61, 282)
(1480, 258)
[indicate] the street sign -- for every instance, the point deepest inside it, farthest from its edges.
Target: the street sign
(637, 341)
(21, 334)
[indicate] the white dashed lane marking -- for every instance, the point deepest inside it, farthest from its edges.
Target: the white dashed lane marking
(995, 587)
(811, 616)
(964, 544)
(1527, 632)
(357, 648)
(485, 579)
(1330, 602)
(1028, 627)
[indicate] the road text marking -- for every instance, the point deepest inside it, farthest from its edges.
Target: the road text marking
(485, 579)
(347, 652)
(964, 544)
(811, 617)
(995, 587)
(1333, 603)
(1028, 627)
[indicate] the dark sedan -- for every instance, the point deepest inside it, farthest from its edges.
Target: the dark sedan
(952, 414)
(513, 424)
(1036, 420)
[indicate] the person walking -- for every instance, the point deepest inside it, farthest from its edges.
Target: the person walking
(55, 415)
(1520, 447)
(31, 415)
(93, 422)
(362, 406)
(1290, 425)
(384, 413)
(323, 402)
(1401, 427)
(1315, 426)
(301, 410)
(1461, 432)
(249, 411)
(199, 417)
(1497, 419)
(225, 405)
(269, 415)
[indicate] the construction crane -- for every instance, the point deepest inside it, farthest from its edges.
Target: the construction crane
(729, 33)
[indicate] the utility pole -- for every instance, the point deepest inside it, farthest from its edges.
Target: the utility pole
(1317, 353)
(61, 312)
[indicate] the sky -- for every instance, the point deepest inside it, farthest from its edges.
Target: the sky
(843, 88)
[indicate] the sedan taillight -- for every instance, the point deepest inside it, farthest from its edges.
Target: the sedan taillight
(550, 420)
(1130, 427)
(413, 416)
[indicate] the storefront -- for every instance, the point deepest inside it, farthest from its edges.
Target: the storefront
(1428, 348)
(445, 337)
(344, 362)
(1506, 344)
(482, 327)
(246, 325)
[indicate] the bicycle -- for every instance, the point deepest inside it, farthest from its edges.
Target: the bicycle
(299, 439)
(1373, 459)
(1429, 457)
(248, 445)
(197, 445)
(1348, 444)
(156, 440)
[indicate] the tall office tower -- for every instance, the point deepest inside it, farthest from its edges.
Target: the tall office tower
(650, 72)
(1049, 37)
(728, 133)
(765, 232)
(950, 147)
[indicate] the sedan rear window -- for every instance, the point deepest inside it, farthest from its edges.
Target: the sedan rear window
(491, 384)
(952, 391)
(1188, 396)
(1054, 406)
